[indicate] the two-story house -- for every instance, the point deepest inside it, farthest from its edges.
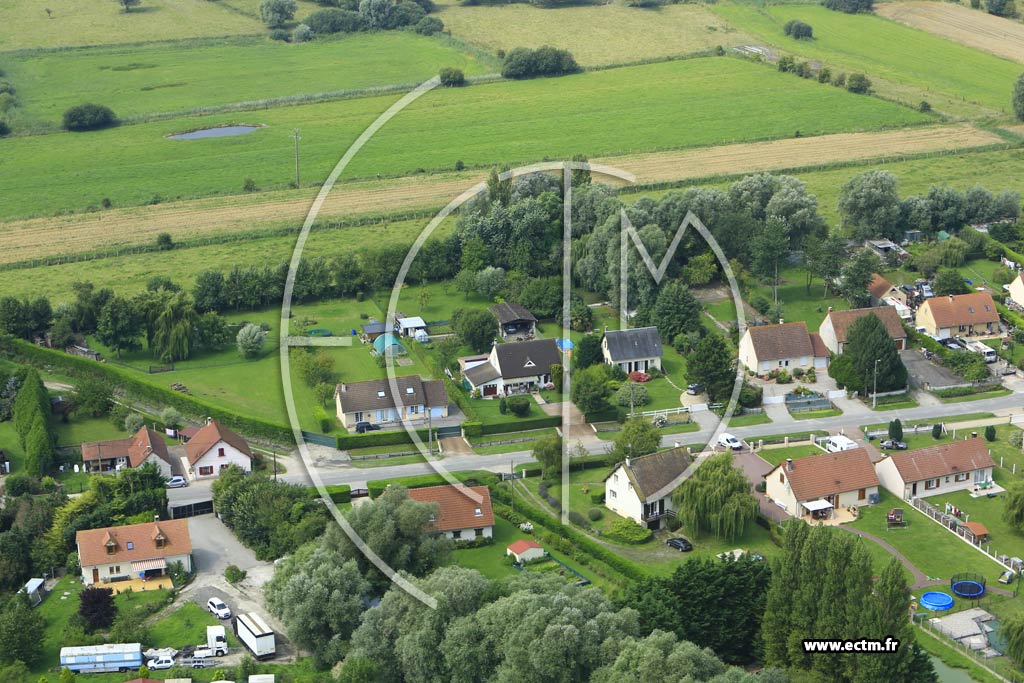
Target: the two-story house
(120, 553)
(512, 368)
(216, 447)
(835, 327)
(964, 315)
(464, 512)
(785, 346)
(637, 487)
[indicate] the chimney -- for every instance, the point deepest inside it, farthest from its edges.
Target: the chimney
(829, 309)
(156, 518)
(627, 461)
(950, 298)
(789, 464)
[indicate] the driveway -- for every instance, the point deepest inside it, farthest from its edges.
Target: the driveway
(924, 373)
(214, 547)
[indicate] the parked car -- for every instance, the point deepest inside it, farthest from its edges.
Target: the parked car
(160, 663)
(729, 441)
(177, 482)
(893, 444)
(363, 427)
(926, 291)
(695, 389)
(680, 544)
(218, 608)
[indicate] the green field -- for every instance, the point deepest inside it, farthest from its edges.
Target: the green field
(915, 61)
(180, 77)
(614, 111)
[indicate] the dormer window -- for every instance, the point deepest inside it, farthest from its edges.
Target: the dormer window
(111, 547)
(477, 512)
(529, 364)
(159, 541)
(970, 309)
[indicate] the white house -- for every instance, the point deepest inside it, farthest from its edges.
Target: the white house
(146, 446)
(942, 468)
(375, 402)
(965, 315)
(834, 329)
(636, 350)
(632, 489)
(811, 487)
(786, 346)
(512, 368)
(120, 553)
(214, 448)
(464, 512)
(1016, 289)
(525, 550)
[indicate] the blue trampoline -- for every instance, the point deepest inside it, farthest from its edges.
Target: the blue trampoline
(936, 601)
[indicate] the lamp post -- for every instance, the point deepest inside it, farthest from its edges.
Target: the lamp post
(874, 393)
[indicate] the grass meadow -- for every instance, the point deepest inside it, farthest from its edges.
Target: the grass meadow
(903, 56)
(179, 77)
(614, 111)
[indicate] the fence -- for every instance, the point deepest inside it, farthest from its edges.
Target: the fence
(663, 412)
(955, 526)
(202, 507)
(805, 404)
(320, 439)
(946, 636)
(990, 382)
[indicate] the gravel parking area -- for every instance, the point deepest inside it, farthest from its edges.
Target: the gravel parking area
(924, 373)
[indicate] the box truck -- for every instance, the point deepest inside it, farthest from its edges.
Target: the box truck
(255, 635)
(102, 658)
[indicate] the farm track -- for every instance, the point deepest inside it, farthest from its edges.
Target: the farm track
(973, 28)
(80, 233)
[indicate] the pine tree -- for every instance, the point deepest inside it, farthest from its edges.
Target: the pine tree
(896, 430)
(886, 616)
(870, 342)
(712, 365)
(676, 310)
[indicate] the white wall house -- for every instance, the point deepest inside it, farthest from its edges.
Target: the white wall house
(375, 402)
(215, 448)
(464, 512)
(636, 350)
(786, 346)
(639, 487)
(129, 552)
(1016, 289)
(813, 486)
(834, 329)
(512, 368)
(145, 446)
(931, 471)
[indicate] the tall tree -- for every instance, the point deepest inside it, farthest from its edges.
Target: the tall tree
(712, 365)
(21, 631)
(638, 437)
(824, 259)
(548, 452)
(118, 326)
(949, 281)
(768, 248)
(870, 205)
(857, 275)
(589, 388)
(96, 607)
(869, 344)
(475, 327)
(676, 310)
(587, 352)
(175, 325)
(1018, 97)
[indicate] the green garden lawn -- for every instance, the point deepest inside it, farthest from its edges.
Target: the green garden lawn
(777, 456)
(185, 626)
(614, 111)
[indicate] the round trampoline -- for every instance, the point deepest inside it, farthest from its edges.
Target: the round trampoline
(970, 586)
(936, 601)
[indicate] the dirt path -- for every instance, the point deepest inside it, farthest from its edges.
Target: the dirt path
(33, 238)
(970, 27)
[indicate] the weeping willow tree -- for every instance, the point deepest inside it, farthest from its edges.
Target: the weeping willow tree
(716, 500)
(1013, 628)
(1013, 510)
(175, 328)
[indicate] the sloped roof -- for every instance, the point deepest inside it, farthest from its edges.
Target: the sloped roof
(818, 345)
(841, 321)
(822, 475)
(411, 323)
(775, 342)
(374, 328)
(522, 545)
(376, 394)
(92, 543)
(940, 460)
(651, 473)
(135, 448)
(102, 450)
(457, 509)
(509, 313)
(879, 286)
(207, 437)
(963, 309)
(481, 374)
(643, 342)
(527, 359)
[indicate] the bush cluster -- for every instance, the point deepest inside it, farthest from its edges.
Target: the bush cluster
(522, 62)
(88, 117)
(849, 6)
(798, 29)
(628, 531)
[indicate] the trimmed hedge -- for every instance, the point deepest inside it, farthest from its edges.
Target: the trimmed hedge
(481, 477)
(339, 493)
(519, 425)
(609, 414)
(628, 531)
(392, 438)
(472, 428)
(26, 353)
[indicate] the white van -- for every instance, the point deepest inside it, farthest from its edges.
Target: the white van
(727, 440)
(837, 443)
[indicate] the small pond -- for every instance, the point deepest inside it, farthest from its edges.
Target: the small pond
(220, 132)
(948, 674)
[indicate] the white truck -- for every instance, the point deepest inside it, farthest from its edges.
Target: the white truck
(255, 635)
(216, 640)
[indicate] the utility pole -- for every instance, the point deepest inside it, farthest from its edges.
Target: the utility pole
(512, 469)
(874, 394)
(273, 450)
(295, 135)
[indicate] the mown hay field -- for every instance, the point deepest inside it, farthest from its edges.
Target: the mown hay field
(594, 34)
(884, 49)
(26, 24)
(970, 27)
(183, 76)
(690, 103)
(88, 232)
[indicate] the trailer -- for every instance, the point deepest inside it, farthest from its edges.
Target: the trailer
(255, 635)
(986, 351)
(108, 658)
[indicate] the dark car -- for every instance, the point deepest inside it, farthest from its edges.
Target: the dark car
(363, 427)
(893, 444)
(694, 389)
(680, 544)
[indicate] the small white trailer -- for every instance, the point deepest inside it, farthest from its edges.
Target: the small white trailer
(255, 635)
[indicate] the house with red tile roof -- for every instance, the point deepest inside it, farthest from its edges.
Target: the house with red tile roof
(821, 483)
(120, 553)
(464, 512)
(785, 346)
(214, 448)
(964, 315)
(525, 550)
(144, 446)
(942, 468)
(834, 329)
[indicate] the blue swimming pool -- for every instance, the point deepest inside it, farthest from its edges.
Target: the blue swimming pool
(936, 601)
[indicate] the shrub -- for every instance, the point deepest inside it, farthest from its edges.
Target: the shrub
(839, 80)
(20, 483)
(249, 185)
(503, 405)
(302, 34)
(280, 34)
(276, 13)
(328, 21)
(89, 117)
(639, 377)
(924, 107)
(5, 129)
(519, 405)
(429, 26)
(858, 83)
(594, 514)
(632, 392)
(133, 422)
(673, 524)
(849, 6)
(990, 433)
(798, 29)
(250, 341)
(542, 489)
(824, 75)
(1017, 438)
(233, 574)
(936, 431)
(164, 242)
(553, 502)
(628, 531)
(578, 519)
(786, 64)
(523, 62)
(452, 78)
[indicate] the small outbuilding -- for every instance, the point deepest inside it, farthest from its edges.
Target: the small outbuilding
(525, 551)
(34, 590)
(388, 345)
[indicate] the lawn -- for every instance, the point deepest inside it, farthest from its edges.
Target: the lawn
(895, 405)
(800, 302)
(749, 420)
(777, 456)
(181, 77)
(723, 311)
(981, 396)
(917, 64)
(582, 484)
(815, 414)
(185, 626)
(80, 429)
(504, 122)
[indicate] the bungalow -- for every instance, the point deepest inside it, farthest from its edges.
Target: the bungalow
(214, 448)
(525, 550)
(143, 550)
(965, 315)
(1016, 289)
(812, 487)
(116, 454)
(636, 350)
(461, 516)
(635, 489)
(881, 290)
(513, 368)
(782, 347)
(943, 468)
(514, 321)
(374, 401)
(836, 325)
